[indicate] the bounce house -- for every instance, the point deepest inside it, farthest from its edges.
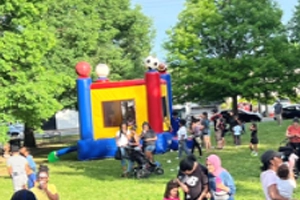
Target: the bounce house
(104, 104)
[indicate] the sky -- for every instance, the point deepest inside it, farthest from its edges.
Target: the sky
(164, 15)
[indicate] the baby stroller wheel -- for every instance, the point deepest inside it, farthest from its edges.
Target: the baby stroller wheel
(159, 171)
(141, 173)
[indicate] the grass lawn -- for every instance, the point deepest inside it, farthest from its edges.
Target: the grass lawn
(95, 180)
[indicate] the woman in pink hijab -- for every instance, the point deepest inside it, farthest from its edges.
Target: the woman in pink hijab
(221, 183)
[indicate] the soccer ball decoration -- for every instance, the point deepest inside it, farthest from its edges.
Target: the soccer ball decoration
(102, 71)
(151, 63)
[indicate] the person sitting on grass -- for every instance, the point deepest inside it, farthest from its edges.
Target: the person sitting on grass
(254, 140)
(23, 195)
(43, 190)
(32, 173)
(171, 192)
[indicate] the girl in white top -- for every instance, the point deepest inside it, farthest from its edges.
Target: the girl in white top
(122, 141)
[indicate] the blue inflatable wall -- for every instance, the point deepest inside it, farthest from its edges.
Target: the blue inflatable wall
(94, 149)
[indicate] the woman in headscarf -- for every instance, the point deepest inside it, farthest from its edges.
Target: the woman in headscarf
(221, 183)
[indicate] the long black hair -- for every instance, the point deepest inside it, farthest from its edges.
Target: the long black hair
(123, 123)
(171, 185)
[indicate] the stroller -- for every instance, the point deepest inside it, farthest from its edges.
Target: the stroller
(144, 166)
(287, 150)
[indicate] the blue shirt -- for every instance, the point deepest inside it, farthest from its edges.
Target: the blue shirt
(175, 125)
(31, 163)
(227, 180)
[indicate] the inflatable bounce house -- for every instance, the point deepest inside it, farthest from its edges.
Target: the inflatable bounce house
(104, 104)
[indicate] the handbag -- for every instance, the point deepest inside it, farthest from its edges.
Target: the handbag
(118, 154)
(221, 195)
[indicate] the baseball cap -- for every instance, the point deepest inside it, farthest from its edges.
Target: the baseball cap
(269, 155)
(296, 119)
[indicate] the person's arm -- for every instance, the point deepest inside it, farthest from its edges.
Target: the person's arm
(274, 194)
(183, 186)
(50, 195)
(204, 192)
(136, 139)
(228, 185)
(218, 124)
(287, 133)
(9, 170)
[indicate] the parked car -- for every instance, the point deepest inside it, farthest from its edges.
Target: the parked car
(291, 111)
(244, 116)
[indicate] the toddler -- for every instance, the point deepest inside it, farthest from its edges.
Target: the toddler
(171, 192)
(286, 182)
(237, 131)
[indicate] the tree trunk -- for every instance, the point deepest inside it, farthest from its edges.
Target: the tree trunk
(29, 140)
(235, 104)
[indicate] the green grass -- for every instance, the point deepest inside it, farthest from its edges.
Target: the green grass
(100, 179)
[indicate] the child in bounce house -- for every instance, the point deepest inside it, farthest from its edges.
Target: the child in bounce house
(221, 183)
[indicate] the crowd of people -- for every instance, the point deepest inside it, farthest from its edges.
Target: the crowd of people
(29, 182)
(198, 181)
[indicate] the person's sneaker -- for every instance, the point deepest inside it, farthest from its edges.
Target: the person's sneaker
(177, 158)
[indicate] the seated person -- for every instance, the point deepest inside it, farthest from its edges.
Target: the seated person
(149, 140)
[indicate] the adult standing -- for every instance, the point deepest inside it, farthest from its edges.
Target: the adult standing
(221, 183)
(278, 112)
(205, 130)
(149, 140)
(196, 132)
(18, 169)
(175, 123)
(270, 160)
(122, 142)
(293, 134)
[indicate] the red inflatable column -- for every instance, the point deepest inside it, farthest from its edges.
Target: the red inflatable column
(155, 114)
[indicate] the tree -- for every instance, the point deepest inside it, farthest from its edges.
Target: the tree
(227, 48)
(27, 88)
(110, 32)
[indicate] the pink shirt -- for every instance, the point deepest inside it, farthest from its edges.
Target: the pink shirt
(170, 198)
(268, 178)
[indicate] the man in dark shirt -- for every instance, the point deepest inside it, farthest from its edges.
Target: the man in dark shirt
(194, 182)
(278, 112)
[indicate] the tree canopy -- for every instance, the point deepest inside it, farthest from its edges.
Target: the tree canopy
(110, 32)
(41, 42)
(227, 48)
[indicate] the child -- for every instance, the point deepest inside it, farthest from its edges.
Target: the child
(286, 182)
(237, 131)
(182, 138)
(254, 140)
(32, 174)
(171, 192)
